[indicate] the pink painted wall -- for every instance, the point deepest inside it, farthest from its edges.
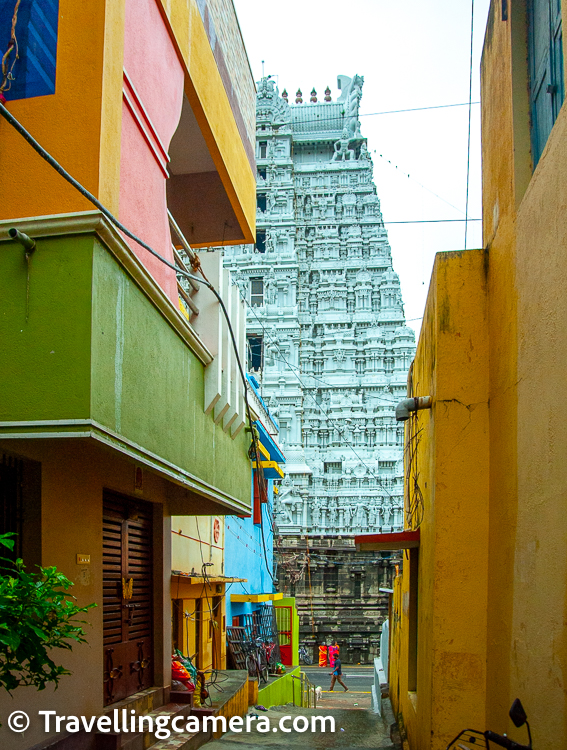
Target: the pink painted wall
(153, 96)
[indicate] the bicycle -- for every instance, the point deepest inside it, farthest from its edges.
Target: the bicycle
(469, 739)
(256, 662)
(269, 648)
(304, 657)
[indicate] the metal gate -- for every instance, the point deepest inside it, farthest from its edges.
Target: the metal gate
(260, 624)
(127, 596)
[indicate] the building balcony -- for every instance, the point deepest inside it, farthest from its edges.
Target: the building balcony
(94, 349)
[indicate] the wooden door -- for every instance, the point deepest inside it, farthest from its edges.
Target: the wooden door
(127, 596)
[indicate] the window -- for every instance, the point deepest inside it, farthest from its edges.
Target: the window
(257, 292)
(357, 586)
(261, 201)
(260, 242)
(255, 353)
(36, 33)
(262, 173)
(20, 507)
(333, 467)
(263, 146)
(545, 64)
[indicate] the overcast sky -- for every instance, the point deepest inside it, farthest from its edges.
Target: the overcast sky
(414, 53)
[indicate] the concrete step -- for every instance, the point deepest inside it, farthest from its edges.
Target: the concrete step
(142, 702)
(183, 741)
(124, 739)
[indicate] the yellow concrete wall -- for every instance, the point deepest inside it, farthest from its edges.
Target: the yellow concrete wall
(505, 142)
(451, 365)
(504, 547)
(80, 125)
(70, 124)
(537, 618)
(528, 546)
(528, 600)
(188, 554)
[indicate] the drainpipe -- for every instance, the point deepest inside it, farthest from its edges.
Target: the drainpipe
(27, 243)
(411, 404)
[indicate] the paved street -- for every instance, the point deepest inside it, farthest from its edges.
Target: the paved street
(357, 678)
(355, 724)
(353, 729)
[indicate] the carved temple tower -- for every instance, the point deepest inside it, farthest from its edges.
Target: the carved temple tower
(327, 342)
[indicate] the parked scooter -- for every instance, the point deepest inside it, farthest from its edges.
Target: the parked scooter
(471, 739)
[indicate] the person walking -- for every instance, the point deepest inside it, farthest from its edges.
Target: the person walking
(336, 675)
(333, 654)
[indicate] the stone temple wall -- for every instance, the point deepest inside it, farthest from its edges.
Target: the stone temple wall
(327, 342)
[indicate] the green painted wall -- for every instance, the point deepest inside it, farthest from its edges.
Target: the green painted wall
(96, 348)
(45, 362)
(280, 692)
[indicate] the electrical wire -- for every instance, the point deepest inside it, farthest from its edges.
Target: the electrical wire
(433, 221)
(470, 117)
(417, 182)
(372, 114)
(46, 156)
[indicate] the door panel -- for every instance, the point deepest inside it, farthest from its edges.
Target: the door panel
(284, 619)
(127, 596)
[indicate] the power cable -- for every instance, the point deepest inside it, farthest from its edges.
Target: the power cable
(432, 221)
(371, 114)
(417, 182)
(46, 156)
(92, 199)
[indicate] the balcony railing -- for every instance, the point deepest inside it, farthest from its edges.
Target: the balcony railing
(184, 255)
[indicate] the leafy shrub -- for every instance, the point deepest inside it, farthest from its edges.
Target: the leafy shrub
(36, 615)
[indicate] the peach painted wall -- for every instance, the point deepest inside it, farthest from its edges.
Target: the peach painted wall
(153, 95)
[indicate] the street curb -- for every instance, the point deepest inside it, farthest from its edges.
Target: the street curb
(390, 721)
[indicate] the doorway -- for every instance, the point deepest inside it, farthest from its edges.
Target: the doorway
(127, 596)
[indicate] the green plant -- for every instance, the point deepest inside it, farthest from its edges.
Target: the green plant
(36, 615)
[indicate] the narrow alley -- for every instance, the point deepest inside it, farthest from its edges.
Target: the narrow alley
(353, 729)
(282, 343)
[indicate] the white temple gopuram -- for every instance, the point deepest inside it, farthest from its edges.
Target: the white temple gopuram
(327, 340)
